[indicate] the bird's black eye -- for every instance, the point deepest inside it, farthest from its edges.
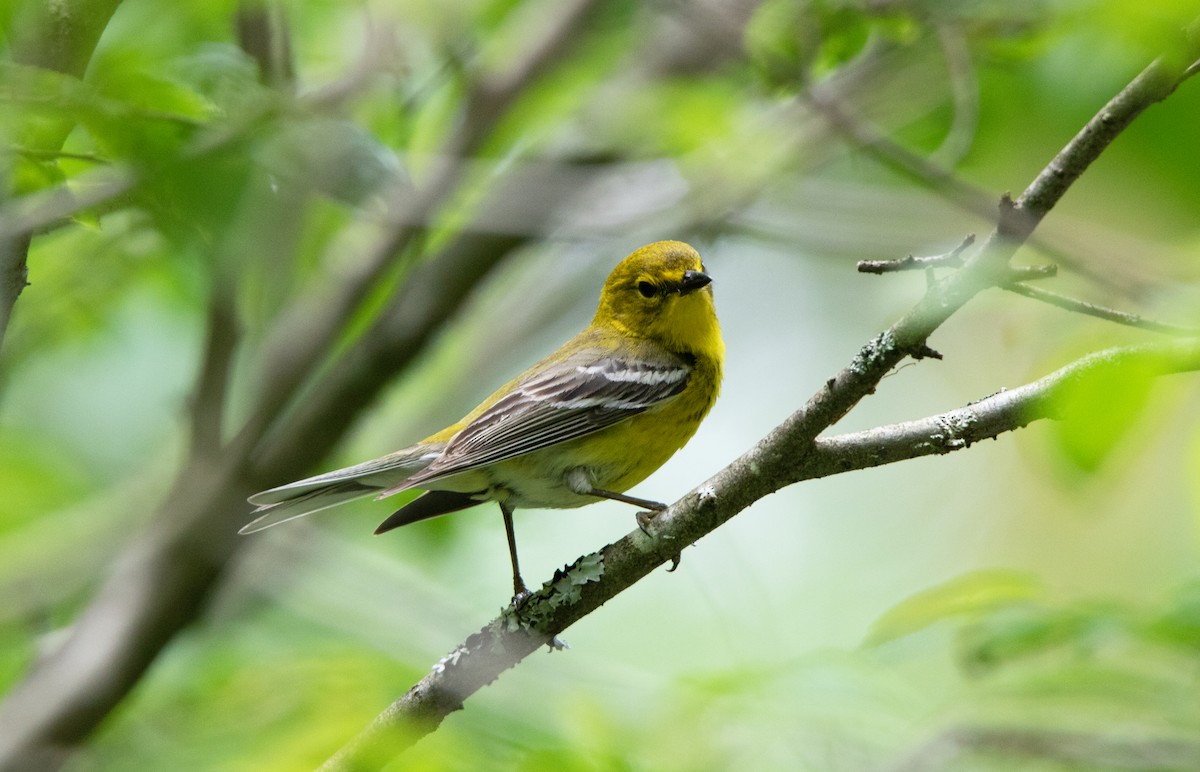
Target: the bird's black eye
(647, 289)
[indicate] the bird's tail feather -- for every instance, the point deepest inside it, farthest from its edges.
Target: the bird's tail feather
(307, 502)
(427, 505)
(303, 497)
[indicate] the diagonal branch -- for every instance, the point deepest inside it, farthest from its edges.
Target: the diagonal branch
(595, 579)
(791, 452)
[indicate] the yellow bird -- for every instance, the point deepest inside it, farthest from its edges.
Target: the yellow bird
(588, 422)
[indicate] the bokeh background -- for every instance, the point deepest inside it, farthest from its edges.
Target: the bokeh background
(205, 185)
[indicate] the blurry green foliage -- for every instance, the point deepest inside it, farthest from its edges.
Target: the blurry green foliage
(37, 478)
(790, 41)
(972, 594)
(278, 708)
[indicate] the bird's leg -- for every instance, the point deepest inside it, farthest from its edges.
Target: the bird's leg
(579, 483)
(520, 591)
(627, 499)
(643, 518)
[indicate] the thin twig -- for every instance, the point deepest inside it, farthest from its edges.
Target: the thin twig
(953, 258)
(263, 32)
(1101, 312)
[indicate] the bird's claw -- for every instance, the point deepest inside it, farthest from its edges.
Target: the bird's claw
(644, 519)
(520, 595)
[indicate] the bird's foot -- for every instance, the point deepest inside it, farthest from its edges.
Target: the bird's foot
(646, 517)
(521, 594)
(675, 561)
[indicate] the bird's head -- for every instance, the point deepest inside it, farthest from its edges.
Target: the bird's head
(661, 292)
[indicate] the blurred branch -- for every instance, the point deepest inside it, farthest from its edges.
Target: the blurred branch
(55, 36)
(916, 167)
(791, 452)
(1110, 750)
(410, 317)
(208, 401)
(60, 36)
(309, 327)
(14, 276)
(964, 89)
(263, 33)
(159, 584)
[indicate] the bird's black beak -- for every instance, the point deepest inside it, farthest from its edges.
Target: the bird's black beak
(693, 280)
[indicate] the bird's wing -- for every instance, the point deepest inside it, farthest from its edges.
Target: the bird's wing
(562, 404)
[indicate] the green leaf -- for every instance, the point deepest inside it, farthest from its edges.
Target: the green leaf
(976, 592)
(1021, 631)
(1099, 410)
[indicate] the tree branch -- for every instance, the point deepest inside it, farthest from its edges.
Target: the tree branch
(208, 399)
(593, 580)
(788, 454)
(952, 259)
